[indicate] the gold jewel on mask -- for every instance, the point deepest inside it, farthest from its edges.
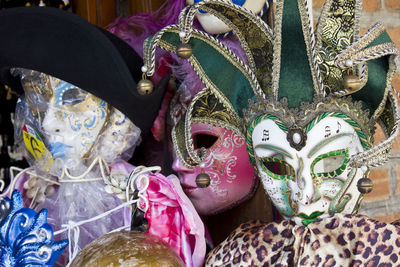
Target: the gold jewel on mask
(296, 138)
(184, 51)
(203, 179)
(364, 185)
(145, 87)
(351, 82)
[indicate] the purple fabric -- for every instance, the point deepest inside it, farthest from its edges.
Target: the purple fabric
(136, 28)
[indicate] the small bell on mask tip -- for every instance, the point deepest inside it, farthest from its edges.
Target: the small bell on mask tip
(203, 179)
(184, 51)
(145, 86)
(351, 82)
(364, 185)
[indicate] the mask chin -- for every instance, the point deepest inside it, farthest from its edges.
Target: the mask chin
(118, 139)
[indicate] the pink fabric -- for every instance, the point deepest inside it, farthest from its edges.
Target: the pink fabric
(172, 217)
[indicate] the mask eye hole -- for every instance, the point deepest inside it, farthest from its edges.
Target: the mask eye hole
(278, 168)
(330, 164)
(73, 96)
(204, 140)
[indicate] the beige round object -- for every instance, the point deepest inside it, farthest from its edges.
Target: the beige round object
(351, 83)
(32, 182)
(365, 185)
(50, 190)
(203, 180)
(127, 248)
(145, 87)
(184, 51)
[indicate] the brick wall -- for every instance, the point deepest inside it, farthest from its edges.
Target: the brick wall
(383, 202)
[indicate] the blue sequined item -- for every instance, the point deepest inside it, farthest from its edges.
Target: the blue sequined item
(26, 239)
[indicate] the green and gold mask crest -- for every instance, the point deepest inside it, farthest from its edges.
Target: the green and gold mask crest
(290, 68)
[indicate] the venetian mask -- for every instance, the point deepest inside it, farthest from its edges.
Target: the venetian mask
(69, 123)
(214, 25)
(225, 162)
(306, 173)
(73, 120)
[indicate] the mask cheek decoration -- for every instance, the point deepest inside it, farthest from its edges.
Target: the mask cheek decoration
(206, 142)
(224, 178)
(278, 177)
(74, 119)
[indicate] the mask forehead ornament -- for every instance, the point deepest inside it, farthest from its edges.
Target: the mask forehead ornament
(309, 100)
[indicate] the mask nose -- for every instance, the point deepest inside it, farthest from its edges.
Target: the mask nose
(50, 124)
(305, 184)
(178, 167)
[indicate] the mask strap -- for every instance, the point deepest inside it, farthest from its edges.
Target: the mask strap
(73, 229)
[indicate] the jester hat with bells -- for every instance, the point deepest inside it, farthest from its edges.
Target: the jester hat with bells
(307, 101)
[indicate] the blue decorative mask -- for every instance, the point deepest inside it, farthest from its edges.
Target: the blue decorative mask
(26, 239)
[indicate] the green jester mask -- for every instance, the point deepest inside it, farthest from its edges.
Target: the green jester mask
(307, 100)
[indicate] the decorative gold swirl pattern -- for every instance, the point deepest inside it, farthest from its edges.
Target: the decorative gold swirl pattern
(256, 41)
(337, 34)
(208, 106)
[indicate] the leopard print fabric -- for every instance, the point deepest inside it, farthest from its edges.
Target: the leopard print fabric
(341, 240)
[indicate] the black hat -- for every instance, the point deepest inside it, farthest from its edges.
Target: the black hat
(68, 47)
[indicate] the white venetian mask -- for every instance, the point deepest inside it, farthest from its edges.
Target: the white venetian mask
(73, 120)
(313, 180)
(213, 25)
(65, 124)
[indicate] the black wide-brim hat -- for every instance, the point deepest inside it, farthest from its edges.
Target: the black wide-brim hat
(68, 47)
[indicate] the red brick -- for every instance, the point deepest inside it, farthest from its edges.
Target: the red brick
(379, 134)
(318, 3)
(380, 190)
(396, 145)
(388, 218)
(394, 34)
(396, 86)
(371, 5)
(396, 82)
(363, 31)
(394, 4)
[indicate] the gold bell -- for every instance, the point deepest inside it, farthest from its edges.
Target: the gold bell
(364, 185)
(145, 87)
(203, 180)
(184, 51)
(351, 82)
